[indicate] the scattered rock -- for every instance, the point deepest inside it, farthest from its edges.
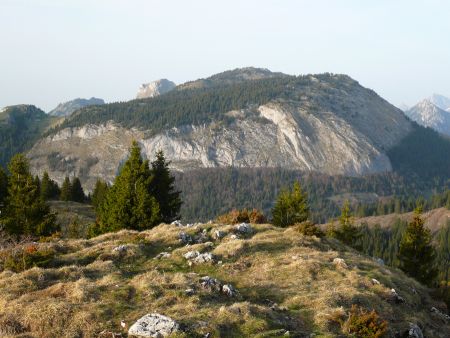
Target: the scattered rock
(189, 292)
(177, 223)
(340, 262)
(202, 237)
(211, 284)
(121, 248)
(244, 228)
(197, 257)
(375, 281)
(414, 331)
(396, 297)
(185, 238)
(191, 254)
(439, 313)
(163, 255)
(379, 261)
(234, 236)
(153, 325)
(219, 234)
(229, 290)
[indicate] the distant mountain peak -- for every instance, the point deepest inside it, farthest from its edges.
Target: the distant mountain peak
(428, 114)
(440, 101)
(155, 88)
(67, 108)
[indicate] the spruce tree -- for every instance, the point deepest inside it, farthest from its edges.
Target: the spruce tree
(25, 212)
(290, 207)
(49, 188)
(66, 190)
(76, 191)
(3, 187)
(129, 203)
(164, 191)
(416, 253)
(99, 193)
(347, 232)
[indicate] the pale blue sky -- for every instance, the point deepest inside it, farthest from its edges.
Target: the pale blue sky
(55, 50)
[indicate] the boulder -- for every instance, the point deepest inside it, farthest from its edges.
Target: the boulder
(229, 290)
(440, 314)
(396, 297)
(153, 325)
(185, 238)
(162, 255)
(121, 248)
(197, 257)
(177, 223)
(340, 262)
(219, 234)
(415, 331)
(211, 284)
(244, 228)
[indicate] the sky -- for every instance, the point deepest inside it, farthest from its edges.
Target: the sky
(52, 51)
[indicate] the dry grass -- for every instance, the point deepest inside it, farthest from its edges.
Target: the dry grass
(286, 282)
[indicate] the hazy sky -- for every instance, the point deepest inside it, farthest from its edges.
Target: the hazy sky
(56, 50)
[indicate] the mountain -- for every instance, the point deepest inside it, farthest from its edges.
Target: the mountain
(155, 88)
(440, 101)
(325, 123)
(67, 108)
(427, 113)
(232, 281)
(20, 127)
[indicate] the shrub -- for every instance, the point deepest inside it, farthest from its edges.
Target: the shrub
(235, 216)
(24, 257)
(309, 229)
(290, 207)
(364, 324)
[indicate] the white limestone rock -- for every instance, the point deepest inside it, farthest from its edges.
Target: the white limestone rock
(154, 325)
(155, 88)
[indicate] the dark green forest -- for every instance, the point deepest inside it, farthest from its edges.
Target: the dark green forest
(213, 191)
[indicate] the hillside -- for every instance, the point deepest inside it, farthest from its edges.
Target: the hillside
(67, 108)
(20, 127)
(271, 282)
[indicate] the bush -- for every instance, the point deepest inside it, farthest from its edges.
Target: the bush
(25, 257)
(309, 229)
(235, 216)
(364, 324)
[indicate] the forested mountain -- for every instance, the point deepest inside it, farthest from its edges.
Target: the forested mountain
(67, 108)
(20, 127)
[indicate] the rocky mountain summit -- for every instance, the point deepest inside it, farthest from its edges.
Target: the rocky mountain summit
(155, 88)
(67, 108)
(427, 113)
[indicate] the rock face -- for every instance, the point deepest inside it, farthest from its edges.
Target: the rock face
(428, 114)
(67, 108)
(153, 325)
(155, 88)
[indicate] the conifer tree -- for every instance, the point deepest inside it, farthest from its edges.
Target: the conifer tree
(49, 188)
(416, 253)
(25, 212)
(129, 203)
(3, 187)
(99, 193)
(347, 232)
(76, 191)
(66, 190)
(290, 207)
(163, 189)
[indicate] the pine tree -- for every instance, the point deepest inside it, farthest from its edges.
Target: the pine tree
(416, 253)
(77, 192)
(99, 193)
(129, 203)
(66, 190)
(347, 232)
(3, 187)
(49, 188)
(25, 212)
(290, 207)
(164, 191)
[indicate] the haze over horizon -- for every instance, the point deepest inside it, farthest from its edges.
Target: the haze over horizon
(54, 52)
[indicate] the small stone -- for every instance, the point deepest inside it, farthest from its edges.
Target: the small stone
(177, 223)
(163, 255)
(379, 261)
(189, 292)
(244, 228)
(340, 262)
(185, 238)
(211, 284)
(415, 331)
(375, 281)
(396, 297)
(153, 325)
(121, 248)
(234, 236)
(439, 313)
(219, 234)
(229, 290)
(191, 254)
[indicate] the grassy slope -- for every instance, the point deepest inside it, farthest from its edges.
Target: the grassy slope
(89, 288)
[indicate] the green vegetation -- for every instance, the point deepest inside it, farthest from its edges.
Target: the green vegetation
(162, 188)
(417, 255)
(3, 187)
(364, 324)
(72, 190)
(25, 212)
(49, 189)
(346, 232)
(99, 194)
(20, 127)
(290, 207)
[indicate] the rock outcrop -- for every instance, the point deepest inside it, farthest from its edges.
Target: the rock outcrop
(155, 88)
(153, 325)
(428, 114)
